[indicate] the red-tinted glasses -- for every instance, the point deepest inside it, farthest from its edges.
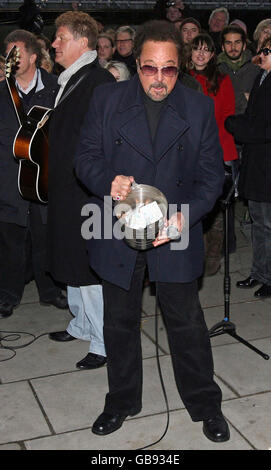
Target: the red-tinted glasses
(150, 70)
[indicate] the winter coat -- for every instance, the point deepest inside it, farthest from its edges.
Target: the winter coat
(242, 78)
(224, 106)
(67, 255)
(184, 162)
(253, 129)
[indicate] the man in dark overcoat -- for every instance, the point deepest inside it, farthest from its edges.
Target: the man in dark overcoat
(154, 130)
(75, 50)
(23, 222)
(253, 130)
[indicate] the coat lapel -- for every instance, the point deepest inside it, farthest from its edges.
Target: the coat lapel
(74, 81)
(132, 120)
(175, 127)
(136, 132)
(134, 128)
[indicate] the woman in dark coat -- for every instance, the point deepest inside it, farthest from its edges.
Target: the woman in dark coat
(253, 129)
(219, 87)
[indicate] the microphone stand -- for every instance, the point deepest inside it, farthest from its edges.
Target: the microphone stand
(226, 326)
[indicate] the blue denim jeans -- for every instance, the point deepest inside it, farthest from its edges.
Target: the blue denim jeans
(260, 213)
(86, 304)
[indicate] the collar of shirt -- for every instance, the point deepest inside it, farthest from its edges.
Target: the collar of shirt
(264, 75)
(36, 80)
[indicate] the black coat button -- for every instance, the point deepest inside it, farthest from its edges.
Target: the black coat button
(180, 147)
(118, 141)
(179, 182)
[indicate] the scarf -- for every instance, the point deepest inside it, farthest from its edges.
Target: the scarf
(245, 57)
(65, 76)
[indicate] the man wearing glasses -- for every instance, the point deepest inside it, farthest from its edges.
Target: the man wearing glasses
(146, 130)
(124, 41)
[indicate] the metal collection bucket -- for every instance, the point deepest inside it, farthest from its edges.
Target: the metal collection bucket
(142, 194)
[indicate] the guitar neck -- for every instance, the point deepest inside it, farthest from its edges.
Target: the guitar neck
(16, 100)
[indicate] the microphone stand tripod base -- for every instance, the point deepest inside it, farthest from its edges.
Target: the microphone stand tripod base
(228, 327)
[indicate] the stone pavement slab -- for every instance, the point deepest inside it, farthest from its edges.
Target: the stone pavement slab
(21, 417)
(244, 370)
(251, 416)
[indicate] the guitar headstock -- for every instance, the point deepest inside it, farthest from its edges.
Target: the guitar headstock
(12, 60)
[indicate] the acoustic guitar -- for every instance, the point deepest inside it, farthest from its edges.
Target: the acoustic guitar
(31, 144)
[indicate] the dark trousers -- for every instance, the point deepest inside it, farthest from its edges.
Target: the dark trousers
(23, 251)
(188, 340)
(260, 213)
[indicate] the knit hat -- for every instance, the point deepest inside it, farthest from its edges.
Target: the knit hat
(190, 20)
(239, 23)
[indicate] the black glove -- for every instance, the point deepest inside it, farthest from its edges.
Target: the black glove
(230, 123)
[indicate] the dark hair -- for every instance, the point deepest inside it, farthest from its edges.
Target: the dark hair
(214, 77)
(235, 30)
(157, 31)
(80, 24)
(28, 39)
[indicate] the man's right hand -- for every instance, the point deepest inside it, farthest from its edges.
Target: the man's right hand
(121, 187)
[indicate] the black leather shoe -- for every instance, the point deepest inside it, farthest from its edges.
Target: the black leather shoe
(6, 310)
(107, 423)
(61, 336)
(58, 302)
(91, 361)
(264, 291)
(216, 429)
(247, 283)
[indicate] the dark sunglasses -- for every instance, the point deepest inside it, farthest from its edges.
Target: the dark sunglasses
(264, 51)
(150, 70)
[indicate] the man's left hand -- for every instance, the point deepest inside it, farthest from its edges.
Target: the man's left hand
(177, 220)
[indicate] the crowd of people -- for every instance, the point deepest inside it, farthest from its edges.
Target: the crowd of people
(190, 114)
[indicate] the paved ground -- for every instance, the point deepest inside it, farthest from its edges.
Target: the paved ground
(48, 404)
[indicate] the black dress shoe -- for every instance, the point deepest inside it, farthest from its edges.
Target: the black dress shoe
(216, 429)
(264, 291)
(61, 336)
(58, 302)
(6, 310)
(107, 423)
(247, 283)
(91, 361)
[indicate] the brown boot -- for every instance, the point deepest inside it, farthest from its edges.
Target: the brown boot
(213, 252)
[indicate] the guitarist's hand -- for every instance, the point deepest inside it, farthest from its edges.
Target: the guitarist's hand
(121, 187)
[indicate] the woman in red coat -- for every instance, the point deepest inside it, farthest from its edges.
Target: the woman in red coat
(219, 87)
